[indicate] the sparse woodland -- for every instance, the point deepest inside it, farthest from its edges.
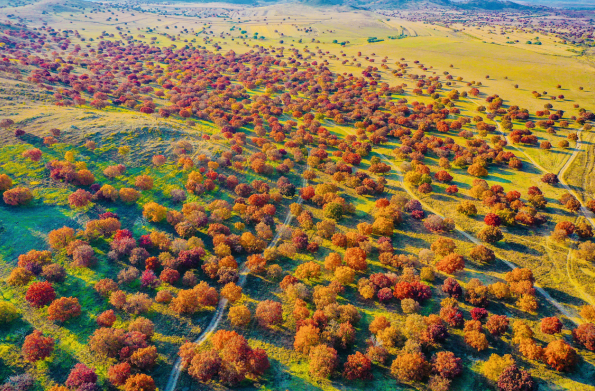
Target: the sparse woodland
(338, 229)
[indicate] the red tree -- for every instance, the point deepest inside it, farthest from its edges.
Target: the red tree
(40, 294)
(37, 347)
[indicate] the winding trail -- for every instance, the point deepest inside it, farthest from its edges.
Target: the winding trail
(176, 371)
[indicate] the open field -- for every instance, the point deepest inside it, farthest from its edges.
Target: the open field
(294, 174)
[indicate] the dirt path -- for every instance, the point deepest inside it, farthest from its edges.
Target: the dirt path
(586, 212)
(176, 371)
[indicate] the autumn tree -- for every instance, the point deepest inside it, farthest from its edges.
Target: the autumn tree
(306, 338)
(355, 258)
(451, 263)
(323, 361)
(40, 294)
(446, 364)
(357, 367)
(584, 335)
(140, 382)
(551, 325)
(269, 313)
(239, 316)
(37, 347)
(64, 308)
(80, 375)
(516, 379)
(410, 366)
(495, 365)
(560, 356)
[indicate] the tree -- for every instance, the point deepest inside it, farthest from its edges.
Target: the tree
(60, 238)
(551, 325)
(17, 196)
(142, 325)
(8, 312)
(451, 263)
(154, 212)
(205, 365)
(495, 365)
(239, 316)
(588, 313)
(79, 375)
(443, 246)
(497, 324)
(482, 254)
(119, 373)
(446, 364)
(550, 179)
(410, 367)
(323, 361)
(452, 288)
(560, 356)
(79, 198)
(40, 294)
(37, 347)
(355, 258)
(106, 318)
(129, 195)
(140, 382)
(19, 276)
(232, 292)
(490, 234)
(306, 338)
(515, 379)
(144, 358)
(358, 366)
(477, 340)
(64, 308)
(477, 170)
(269, 313)
(585, 335)
(5, 182)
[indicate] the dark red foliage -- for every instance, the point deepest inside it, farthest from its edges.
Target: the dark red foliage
(452, 288)
(479, 313)
(40, 294)
(81, 374)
